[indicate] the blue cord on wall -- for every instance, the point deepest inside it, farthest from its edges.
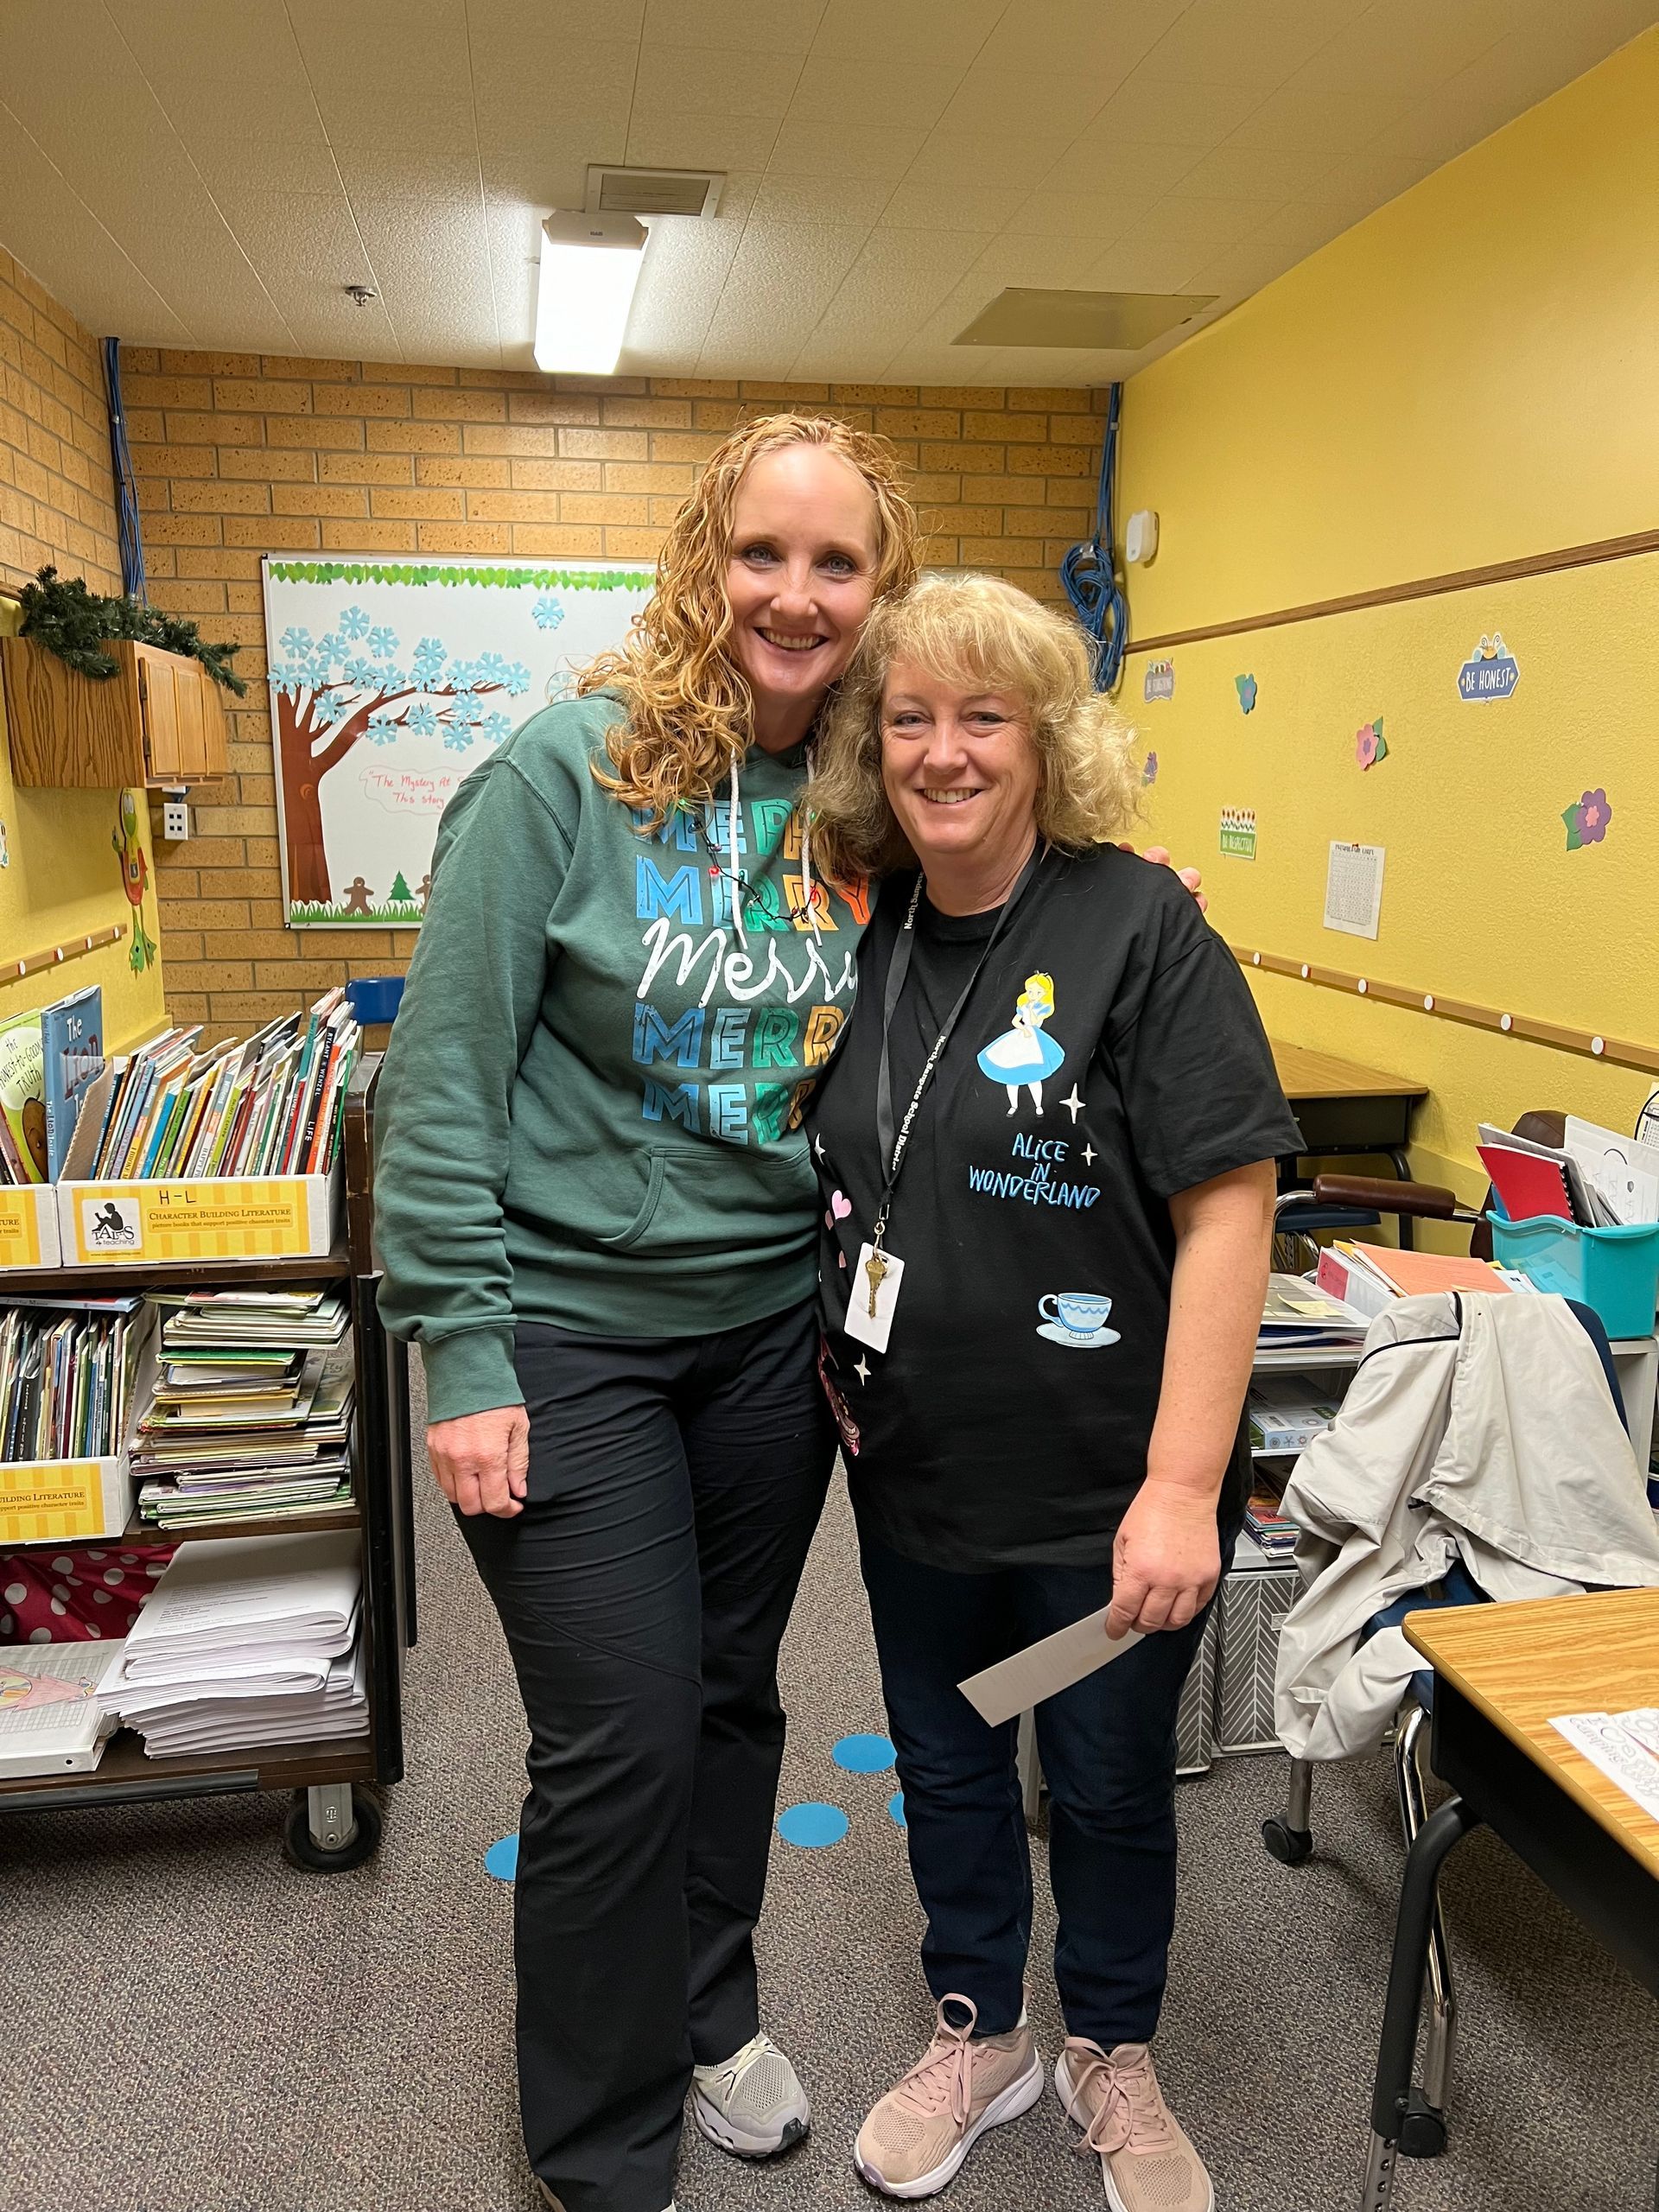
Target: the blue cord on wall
(1090, 571)
(126, 490)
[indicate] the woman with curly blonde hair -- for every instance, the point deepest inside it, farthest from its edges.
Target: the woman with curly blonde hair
(597, 1216)
(1118, 1210)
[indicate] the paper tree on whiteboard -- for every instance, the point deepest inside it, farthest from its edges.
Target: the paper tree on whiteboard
(331, 692)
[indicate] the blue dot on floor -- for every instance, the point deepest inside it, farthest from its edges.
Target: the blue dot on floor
(863, 1754)
(812, 1826)
(501, 1859)
(896, 1807)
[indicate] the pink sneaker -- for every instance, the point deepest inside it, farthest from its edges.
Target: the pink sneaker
(915, 2139)
(1146, 2162)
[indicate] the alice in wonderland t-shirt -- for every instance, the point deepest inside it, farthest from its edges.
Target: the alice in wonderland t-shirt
(1109, 1056)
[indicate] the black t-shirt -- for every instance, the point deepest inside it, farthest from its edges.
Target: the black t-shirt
(1108, 1055)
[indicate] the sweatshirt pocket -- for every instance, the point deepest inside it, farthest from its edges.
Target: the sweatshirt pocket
(703, 1201)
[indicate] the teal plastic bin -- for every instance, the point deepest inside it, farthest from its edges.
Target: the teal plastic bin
(1614, 1271)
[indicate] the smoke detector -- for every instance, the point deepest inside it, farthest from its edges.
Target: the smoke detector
(651, 191)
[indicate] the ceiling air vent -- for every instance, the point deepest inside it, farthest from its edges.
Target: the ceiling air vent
(653, 192)
(1115, 321)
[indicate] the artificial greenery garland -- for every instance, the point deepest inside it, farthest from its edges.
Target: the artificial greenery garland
(75, 623)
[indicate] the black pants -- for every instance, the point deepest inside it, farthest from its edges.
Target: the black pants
(1108, 1748)
(675, 1483)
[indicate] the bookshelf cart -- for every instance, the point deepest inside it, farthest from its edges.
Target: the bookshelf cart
(332, 1821)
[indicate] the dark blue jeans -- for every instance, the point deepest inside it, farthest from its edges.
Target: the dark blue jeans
(1108, 1747)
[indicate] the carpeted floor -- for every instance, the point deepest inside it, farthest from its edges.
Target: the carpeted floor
(193, 2026)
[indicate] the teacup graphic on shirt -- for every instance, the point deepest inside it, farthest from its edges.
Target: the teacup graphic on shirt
(1076, 1318)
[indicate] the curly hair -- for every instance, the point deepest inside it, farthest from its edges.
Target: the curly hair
(689, 706)
(987, 633)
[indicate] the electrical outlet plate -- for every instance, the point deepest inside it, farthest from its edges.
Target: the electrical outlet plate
(175, 820)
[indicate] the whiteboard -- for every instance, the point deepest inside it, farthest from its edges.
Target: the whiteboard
(390, 681)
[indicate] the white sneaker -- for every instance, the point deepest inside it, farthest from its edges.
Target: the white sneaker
(752, 2104)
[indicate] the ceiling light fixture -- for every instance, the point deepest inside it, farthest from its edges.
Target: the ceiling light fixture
(590, 268)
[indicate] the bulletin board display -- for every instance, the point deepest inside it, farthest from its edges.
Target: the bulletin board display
(391, 681)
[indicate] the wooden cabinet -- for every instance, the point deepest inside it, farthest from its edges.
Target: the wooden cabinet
(158, 721)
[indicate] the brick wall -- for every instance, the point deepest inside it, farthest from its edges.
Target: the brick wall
(239, 455)
(57, 496)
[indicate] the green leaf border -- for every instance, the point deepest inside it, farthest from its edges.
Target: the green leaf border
(452, 573)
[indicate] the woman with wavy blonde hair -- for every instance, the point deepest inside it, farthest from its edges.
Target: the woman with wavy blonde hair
(1039, 1324)
(597, 1215)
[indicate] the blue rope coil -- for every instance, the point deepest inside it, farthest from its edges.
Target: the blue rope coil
(1089, 571)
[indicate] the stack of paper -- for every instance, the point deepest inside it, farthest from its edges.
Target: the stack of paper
(251, 1412)
(246, 1642)
(1369, 1277)
(1265, 1523)
(55, 1716)
(1299, 1313)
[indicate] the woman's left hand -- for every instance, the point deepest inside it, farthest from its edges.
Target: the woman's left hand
(1166, 1561)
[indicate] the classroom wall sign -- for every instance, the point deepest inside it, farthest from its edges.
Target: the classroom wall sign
(389, 681)
(1489, 672)
(1238, 832)
(1160, 681)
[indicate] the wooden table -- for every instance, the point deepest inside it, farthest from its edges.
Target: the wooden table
(1502, 1673)
(1345, 1108)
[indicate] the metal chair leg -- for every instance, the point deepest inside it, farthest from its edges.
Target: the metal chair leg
(1289, 1839)
(1391, 2096)
(1426, 2137)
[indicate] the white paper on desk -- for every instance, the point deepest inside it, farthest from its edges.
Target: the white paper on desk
(1615, 1753)
(1625, 1174)
(1016, 1684)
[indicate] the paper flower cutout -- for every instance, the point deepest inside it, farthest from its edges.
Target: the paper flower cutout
(1245, 686)
(1587, 821)
(1369, 745)
(1149, 774)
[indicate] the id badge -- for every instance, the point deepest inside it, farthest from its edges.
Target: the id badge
(870, 1303)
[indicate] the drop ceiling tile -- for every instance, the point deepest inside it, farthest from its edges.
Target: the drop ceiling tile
(1035, 263)
(898, 95)
(899, 278)
(498, 27)
(409, 172)
(1255, 172)
(699, 142)
(1104, 162)
(859, 150)
(734, 26)
(1101, 216)
(1409, 48)
(510, 90)
(927, 31)
(820, 199)
(1104, 38)
(716, 81)
(922, 203)
(1025, 104)
(686, 267)
(1015, 165)
(1242, 270)
(540, 180)
(64, 246)
(1147, 109)
(1133, 264)
(232, 151)
(783, 277)
(1213, 224)
(1304, 116)
(1252, 42)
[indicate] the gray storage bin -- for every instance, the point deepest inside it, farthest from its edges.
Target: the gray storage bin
(1249, 1612)
(1195, 1721)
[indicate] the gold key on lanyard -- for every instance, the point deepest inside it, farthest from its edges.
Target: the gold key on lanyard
(876, 1268)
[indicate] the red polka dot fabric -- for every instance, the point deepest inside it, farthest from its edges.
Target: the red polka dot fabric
(81, 1593)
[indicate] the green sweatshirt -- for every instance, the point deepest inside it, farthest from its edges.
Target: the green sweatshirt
(587, 1114)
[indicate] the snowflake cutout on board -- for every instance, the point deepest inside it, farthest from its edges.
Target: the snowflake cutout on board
(353, 623)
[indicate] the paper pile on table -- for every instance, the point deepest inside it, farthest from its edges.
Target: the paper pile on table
(251, 1412)
(54, 1711)
(1298, 1313)
(246, 1642)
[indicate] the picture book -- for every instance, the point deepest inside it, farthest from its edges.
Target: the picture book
(22, 1097)
(72, 1044)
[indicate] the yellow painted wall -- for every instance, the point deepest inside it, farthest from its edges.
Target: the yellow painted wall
(1467, 377)
(63, 880)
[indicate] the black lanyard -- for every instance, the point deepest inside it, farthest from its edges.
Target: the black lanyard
(893, 1145)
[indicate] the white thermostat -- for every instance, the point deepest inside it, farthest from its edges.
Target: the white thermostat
(1141, 538)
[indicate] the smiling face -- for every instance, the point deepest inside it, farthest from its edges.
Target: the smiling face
(962, 776)
(801, 577)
